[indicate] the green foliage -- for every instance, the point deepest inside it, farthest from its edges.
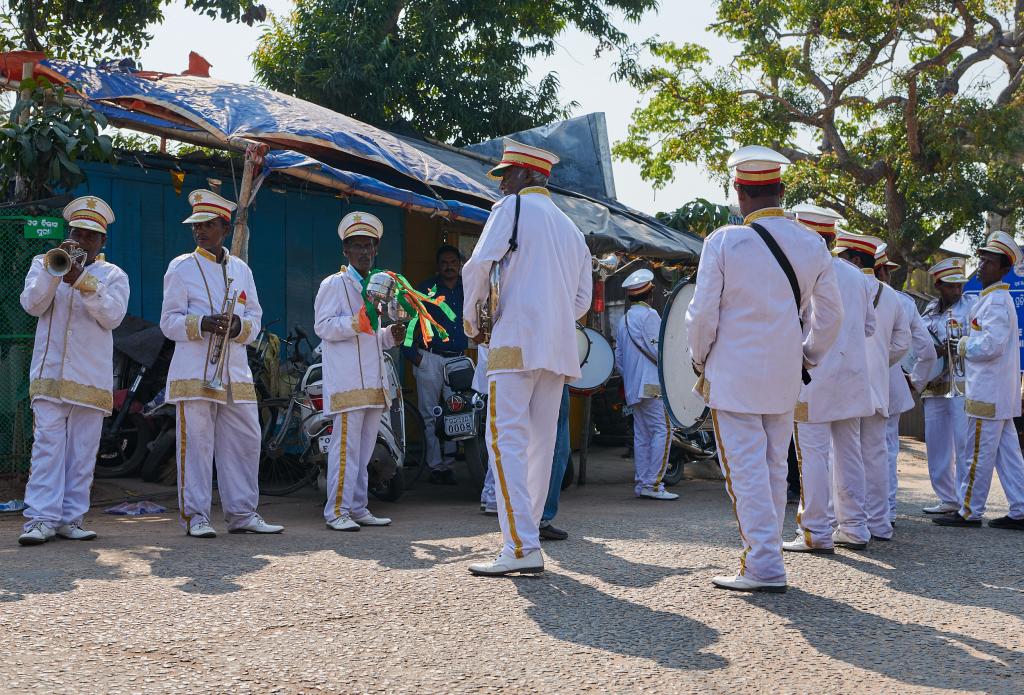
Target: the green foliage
(699, 216)
(88, 31)
(45, 137)
(453, 69)
(907, 117)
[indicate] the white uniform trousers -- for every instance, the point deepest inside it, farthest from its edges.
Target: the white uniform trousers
(818, 445)
(753, 452)
(945, 429)
(229, 433)
(522, 420)
(429, 389)
(353, 440)
(66, 439)
(892, 448)
(849, 485)
(651, 443)
(992, 444)
(875, 453)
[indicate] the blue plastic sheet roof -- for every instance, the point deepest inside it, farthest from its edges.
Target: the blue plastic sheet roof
(286, 159)
(227, 109)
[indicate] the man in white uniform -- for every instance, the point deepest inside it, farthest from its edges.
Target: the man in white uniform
(747, 344)
(903, 384)
(636, 358)
(827, 416)
(945, 420)
(545, 268)
(71, 385)
(862, 497)
(992, 354)
(355, 390)
(215, 419)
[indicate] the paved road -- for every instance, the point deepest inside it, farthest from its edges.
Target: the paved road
(625, 605)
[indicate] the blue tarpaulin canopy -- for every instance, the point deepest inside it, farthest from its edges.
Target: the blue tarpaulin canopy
(228, 110)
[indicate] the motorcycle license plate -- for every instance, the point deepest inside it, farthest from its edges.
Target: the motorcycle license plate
(325, 443)
(457, 425)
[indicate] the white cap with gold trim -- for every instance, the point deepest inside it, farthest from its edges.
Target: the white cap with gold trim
(756, 165)
(206, 205)
(856, 242)
(638, 282)
(517, 154)
(818, 219)
(882, 258)
(360, 224)
(89, 212)
(1001, 242)
(949, 270)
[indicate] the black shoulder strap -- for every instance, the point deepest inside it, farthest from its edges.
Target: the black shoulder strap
(513, 241)
(787, 268)
(878, 295)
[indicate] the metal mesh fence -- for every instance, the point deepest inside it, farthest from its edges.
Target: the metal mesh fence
(17, 330)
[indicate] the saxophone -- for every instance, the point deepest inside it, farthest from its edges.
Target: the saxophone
(487, 311)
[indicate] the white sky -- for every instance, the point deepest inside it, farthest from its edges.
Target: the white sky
(583, 79)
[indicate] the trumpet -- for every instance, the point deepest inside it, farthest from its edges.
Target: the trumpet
(487, 311)
(219, 352)
(58, 261)
(956, 366)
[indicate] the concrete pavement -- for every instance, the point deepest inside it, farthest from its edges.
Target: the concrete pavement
(625, 605)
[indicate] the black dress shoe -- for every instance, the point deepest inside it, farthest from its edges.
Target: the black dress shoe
(550, 533)
(1007, 522)
(879, 538)
(448, 477)
(954, 519)
(437, 477)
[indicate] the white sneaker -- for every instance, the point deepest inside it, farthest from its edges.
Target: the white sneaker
(799, 545)
(741, 583)
(75, 532)
(257, 525)
(942, 508)
(343, 523)
(37, 534)
(841, 539)
(371, 520)
(530, 563)
(657, 494)
(202, 529)
(489, 509)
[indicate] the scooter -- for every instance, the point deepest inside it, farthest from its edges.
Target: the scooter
(462, 415)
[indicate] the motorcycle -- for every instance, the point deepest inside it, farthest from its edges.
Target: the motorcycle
(143, 357)
(462, 416)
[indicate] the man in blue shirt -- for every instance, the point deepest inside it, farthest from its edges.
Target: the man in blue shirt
(428, 364)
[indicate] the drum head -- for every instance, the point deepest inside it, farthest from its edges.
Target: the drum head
(582, 344)
(907, 363)
(598, 367)
(686, 409)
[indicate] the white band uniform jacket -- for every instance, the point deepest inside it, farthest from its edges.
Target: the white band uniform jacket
(194, 287)
(354, 375)
(535, 323)
(923, 349)
(639, 372)
(889, 343)
(742, 324)
(72, 360)
(838, 389)
(936, 322)
(993, 356)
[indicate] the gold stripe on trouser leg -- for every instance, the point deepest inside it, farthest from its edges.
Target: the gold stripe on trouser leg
(343, 461)
(728, 488)
(974, 467)
(668, 448)
(501, 473)
(800, 471)
(182, 443)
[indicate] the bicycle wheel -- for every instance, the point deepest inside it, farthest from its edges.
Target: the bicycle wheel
(415, 443)
(283, 465)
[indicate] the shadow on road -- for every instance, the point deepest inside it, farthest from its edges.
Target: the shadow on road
(53, 568)
(907, 652)
(571, 611)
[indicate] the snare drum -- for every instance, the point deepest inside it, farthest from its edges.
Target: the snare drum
(596, 361)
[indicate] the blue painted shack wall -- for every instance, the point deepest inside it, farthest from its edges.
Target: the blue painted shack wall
(293, 240)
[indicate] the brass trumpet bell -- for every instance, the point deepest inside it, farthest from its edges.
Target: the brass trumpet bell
(58, 262)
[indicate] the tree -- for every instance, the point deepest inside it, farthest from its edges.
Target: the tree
(891, 110)
(699, 216)
(91, 31)
(45, 138)
(453, 69)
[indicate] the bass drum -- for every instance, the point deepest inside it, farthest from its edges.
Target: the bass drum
(938, 368)
(686, 409)
(597, 361)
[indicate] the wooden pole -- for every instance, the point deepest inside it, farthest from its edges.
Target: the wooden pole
(253, 161)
